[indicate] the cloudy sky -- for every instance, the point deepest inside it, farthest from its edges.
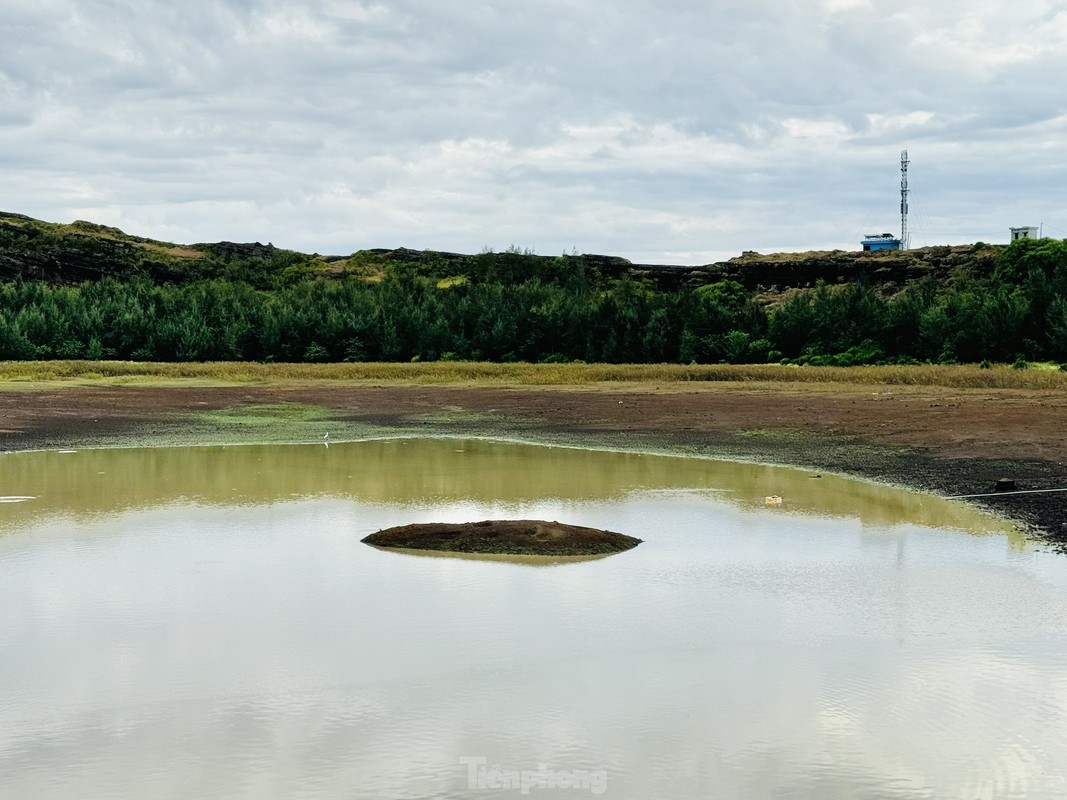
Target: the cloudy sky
(672, 131)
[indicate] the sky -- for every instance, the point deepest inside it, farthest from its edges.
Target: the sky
(674, 132)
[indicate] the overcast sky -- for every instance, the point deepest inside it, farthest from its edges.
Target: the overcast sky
(671, 131)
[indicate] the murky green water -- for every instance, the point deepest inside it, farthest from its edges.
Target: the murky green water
(204, 622)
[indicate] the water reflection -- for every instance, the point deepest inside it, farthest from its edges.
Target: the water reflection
(396, 471)
(166, 642)
(500, 558)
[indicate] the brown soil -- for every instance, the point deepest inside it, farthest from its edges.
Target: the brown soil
(951, 441)
(513, 537)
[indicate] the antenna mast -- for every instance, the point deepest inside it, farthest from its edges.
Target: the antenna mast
(904, 199)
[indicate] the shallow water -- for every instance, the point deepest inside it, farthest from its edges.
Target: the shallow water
(204, 622)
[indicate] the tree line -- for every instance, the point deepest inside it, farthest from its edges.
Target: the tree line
(505, 314)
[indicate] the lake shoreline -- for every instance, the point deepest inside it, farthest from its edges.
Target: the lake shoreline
(947, 441)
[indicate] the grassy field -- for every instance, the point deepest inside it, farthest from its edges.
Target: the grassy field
(480, 373)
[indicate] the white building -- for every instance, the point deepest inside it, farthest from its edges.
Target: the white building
(1026, 232)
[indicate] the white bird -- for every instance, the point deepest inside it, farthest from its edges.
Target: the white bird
(326, 435)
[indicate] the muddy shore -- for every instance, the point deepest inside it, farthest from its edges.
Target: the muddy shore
(948, 441)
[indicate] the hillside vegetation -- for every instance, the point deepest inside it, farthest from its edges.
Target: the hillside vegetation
(85, 291)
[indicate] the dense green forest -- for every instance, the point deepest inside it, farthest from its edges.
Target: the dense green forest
(515, 306)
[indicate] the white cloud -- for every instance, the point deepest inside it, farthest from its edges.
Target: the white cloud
(670, 131)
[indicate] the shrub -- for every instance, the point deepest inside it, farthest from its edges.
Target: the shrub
(70, 349)
(316, 353)
(867, 352)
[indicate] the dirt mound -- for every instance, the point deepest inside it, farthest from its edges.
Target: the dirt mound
(514, 537)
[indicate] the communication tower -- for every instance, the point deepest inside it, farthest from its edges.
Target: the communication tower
(904, 199)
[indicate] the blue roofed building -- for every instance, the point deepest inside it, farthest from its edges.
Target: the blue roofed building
(873, 242)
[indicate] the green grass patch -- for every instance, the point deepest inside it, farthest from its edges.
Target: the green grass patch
(266, 415)
(455, 280)
(269, 423)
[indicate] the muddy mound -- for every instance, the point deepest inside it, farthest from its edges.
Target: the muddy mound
(514, 537)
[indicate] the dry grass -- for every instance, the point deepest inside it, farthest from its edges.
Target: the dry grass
(481, 373)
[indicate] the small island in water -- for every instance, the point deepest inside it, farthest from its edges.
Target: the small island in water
(504, 537)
